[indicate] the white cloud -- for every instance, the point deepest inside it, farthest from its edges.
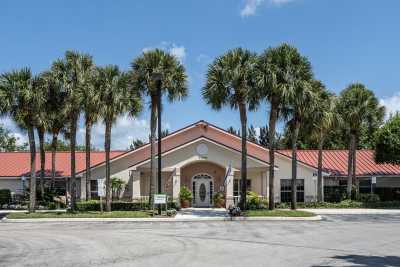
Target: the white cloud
(176, 50)
(8, 124)
(251, 6)
(391, 103)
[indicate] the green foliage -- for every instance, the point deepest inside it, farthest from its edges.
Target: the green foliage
(8, 142)
(65, 146)
(116, 186)
(387, 149)
(368, 198)
(185, 194)
(219, 199)
(94, 205)
(5, 196)
(253, 200)
(347, 203)
(278, 213)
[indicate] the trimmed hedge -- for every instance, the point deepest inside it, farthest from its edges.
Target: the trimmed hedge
(5, 196)
(344, 204)
(94, 205)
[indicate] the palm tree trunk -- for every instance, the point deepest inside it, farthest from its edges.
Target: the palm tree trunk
(72, 181)
(243, 170)
(354, 177)
(53, 160)
(153, 163)
(32, 180)
(320, 160)
(42, 159)
(88, 125)
(294, 163)
(272, 124)
(350, 167)
(107, 144)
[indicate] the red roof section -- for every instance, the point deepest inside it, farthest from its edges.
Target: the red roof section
(14, 164)
(335, 162)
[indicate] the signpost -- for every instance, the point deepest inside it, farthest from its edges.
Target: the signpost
(160, 199)
(101, 192)
(373, 184)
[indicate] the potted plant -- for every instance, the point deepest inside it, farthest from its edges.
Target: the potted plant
(219, 200)
(185, 197)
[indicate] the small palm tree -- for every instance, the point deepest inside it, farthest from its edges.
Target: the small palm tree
(173, 83)
(358, 107)
(116, 98)
(74, 72)
(230, 78)
(323, 119)
(21, 99)
(91, 102)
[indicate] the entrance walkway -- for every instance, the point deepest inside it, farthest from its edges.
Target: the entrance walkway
(196, 213)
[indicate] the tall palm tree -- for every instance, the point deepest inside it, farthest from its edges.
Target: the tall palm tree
(230, 78)
(173, 83)
(323, 118)
(21, 99)
(281, 72)
(75, 72)
(91, 104)
(116, 99)
(358, 107)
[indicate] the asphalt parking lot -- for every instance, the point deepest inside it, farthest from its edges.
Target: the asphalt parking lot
(338, 240)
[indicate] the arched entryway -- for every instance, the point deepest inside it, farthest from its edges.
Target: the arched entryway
(204, 179)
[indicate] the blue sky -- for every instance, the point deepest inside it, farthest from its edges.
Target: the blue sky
(346, 41)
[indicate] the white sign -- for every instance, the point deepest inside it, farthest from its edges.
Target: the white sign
(101, 192)
(160, 199)
(373, 179)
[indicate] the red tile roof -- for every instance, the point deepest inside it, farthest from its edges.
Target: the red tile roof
(335, 162)
(14, 164)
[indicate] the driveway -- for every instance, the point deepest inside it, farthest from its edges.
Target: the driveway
(338, 240)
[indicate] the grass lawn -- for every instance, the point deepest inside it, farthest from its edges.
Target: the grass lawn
(278, 213)
(88, 214)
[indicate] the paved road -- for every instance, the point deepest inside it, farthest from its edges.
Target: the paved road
(346, 240)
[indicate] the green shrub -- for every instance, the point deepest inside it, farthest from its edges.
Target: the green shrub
(368, 198)
(219, 199)
(94, 205)
(5, 196)
(253, 200)
(185, 194)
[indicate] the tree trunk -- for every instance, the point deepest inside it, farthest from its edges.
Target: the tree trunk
(320, 161)
(32, 179)
(354, 177)
(153, 163)
(243, 170)
(53, 160)
(72, 181)
(88, 125)
(107, 145)
(41, 131)
(350, 167)
(294, 163)
(272, 124)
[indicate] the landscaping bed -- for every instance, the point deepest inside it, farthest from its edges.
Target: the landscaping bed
(87, 214)
(278, 213)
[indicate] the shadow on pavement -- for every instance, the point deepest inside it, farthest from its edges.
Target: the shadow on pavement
(366, 261)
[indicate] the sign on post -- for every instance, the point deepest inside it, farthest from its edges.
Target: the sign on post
(373, 179)
(160, 199)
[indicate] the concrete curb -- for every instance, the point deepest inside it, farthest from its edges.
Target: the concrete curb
(351, 211)
(173, 220)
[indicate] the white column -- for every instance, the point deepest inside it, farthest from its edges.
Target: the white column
(82, 194)
(176, 184)
(229, 188)
(135, 176)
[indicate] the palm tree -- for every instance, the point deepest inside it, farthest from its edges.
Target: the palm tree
(21, 99)
(230, 78)
(91, 103)
(358, 107)
(56, 120)
(173, 83)
(116, 99)
(281, 72)
(75, 73)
